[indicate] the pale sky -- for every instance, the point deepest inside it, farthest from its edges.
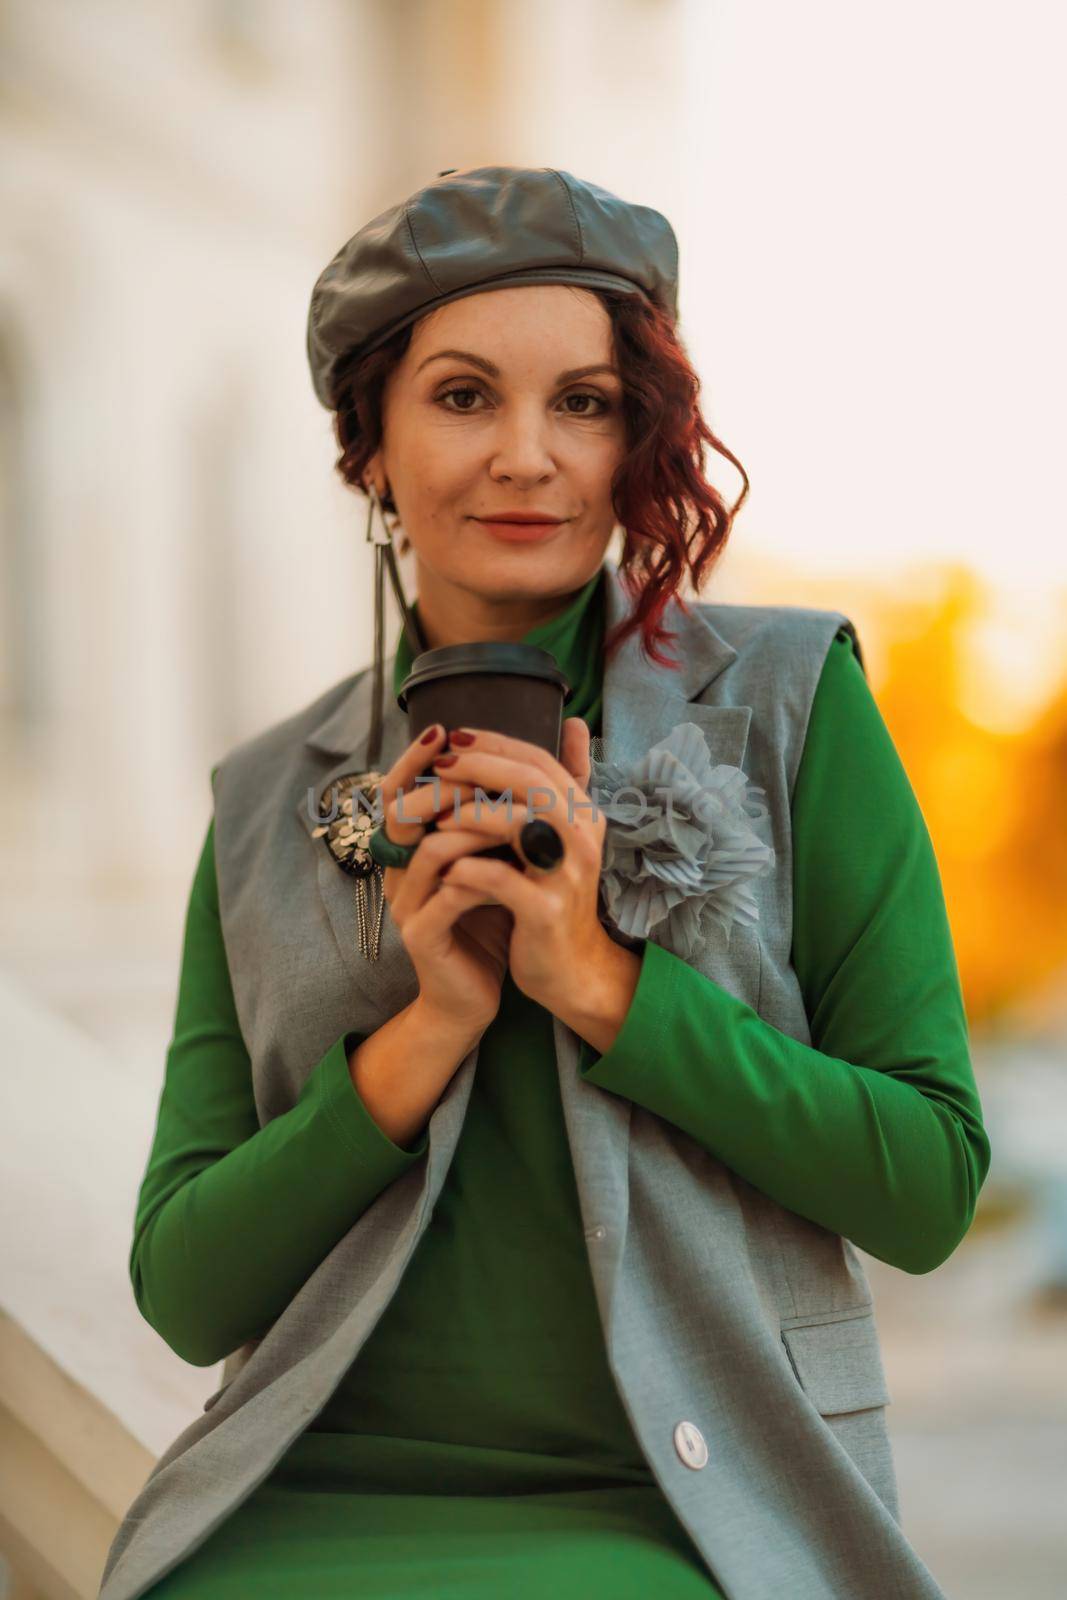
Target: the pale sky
(872, 271)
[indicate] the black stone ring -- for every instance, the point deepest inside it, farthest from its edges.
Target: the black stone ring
(541, 844)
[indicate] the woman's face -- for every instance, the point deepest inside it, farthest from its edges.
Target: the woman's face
(484, 415)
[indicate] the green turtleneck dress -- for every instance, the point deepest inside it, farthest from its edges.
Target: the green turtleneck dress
(477, 1445)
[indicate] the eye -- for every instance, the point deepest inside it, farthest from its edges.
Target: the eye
(460, 388)
(588, 394)
(577, 394)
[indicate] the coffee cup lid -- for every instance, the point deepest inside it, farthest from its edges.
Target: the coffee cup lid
(492, 656)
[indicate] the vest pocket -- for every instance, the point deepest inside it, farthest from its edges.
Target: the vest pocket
(839, 1363)
(839, 1366)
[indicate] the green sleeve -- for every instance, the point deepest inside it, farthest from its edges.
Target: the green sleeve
(874, 1130)
(232, 1218)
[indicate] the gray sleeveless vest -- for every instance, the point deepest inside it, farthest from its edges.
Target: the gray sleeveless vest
(741, 1336)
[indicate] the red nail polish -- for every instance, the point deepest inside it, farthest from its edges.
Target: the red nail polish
(431, 734)
(444, 761)
(457, 736)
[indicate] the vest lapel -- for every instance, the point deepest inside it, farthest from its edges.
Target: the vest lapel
(643, 701)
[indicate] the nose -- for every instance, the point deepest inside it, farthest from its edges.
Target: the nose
(521, 450)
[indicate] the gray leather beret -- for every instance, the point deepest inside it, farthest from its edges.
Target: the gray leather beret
(481, 228)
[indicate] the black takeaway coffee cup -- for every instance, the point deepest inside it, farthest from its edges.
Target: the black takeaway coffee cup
(517, 689)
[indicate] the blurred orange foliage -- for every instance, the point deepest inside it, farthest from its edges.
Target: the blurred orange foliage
(995, 801)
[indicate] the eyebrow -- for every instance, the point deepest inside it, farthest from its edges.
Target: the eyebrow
(494, 371)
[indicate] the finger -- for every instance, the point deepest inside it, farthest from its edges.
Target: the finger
(507, 885)
(477, 816)
(414, 759)
(421, 877)
(432, 795)
(505, 744)
(402, 774)
(503, 775)
(582, 846)
(426, 927)
(574, 750)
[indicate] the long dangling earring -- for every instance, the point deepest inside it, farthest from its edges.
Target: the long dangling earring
(382, 540)
(354, 795)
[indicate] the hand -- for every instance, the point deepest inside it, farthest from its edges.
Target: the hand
(460, 962)
(557, 938)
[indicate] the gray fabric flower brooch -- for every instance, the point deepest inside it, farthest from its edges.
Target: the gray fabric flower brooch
(681, 849)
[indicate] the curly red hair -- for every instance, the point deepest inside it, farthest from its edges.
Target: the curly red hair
(674, 520)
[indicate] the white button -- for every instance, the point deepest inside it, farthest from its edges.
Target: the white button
(689, 1443)
(599, 1232)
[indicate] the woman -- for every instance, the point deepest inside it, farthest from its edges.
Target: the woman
(587, 1319)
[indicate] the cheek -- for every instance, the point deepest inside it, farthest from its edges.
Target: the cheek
(433, 461)
(597, 461)
(439, 494)
(449, 476)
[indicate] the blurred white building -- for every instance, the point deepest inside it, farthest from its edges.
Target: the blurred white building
(179, 563)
